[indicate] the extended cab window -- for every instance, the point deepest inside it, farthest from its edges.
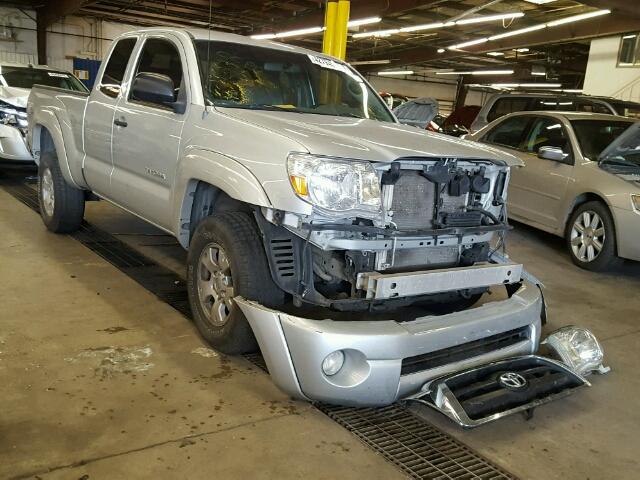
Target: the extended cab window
(161, 57)
(547, 132)
(508, 133)
(504, 106)
(116, 66)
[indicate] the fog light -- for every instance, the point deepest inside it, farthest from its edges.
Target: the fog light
(578, 348)
(333, 362)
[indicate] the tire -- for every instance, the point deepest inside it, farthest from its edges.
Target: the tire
(592, 246)
(61, 205)
(226, 259)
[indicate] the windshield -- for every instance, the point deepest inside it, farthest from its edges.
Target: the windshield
(27, 77)
(624, 153)
(243, 76)
(596, 135)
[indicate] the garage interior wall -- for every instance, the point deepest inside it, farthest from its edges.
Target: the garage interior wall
(605, 77)
(68, 38)
(444, 92)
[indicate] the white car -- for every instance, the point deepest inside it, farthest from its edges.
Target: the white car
(16, 81)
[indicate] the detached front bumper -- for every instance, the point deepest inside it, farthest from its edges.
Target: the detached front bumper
(389, 360)
(13, 145)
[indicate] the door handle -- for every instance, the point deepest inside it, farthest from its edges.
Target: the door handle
(121, 122)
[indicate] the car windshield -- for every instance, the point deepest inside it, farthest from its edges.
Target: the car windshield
(27, 77)
(258, 78)
(624, 153)
(596, 135)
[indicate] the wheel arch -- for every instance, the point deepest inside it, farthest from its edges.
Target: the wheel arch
(590, 197)
(225, 182)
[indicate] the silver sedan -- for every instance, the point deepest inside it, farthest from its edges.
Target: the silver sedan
(572, 185)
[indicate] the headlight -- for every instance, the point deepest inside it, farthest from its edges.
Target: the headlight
(12, 116)
(335, 185)
(578, 348)
(635, 200)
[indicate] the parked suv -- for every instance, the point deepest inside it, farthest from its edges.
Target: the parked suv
(504, 103)
(16, 81)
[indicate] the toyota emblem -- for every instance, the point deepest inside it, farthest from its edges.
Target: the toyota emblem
(512, 381)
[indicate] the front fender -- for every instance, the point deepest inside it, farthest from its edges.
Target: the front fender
(218, 170)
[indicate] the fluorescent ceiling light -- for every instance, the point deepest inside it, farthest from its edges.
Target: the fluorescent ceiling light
(572, 90)
(577, 18)
(426, 26)
(312, 30)
(478, 72)
(496, 54)
(520, 31)
(539, 2)
(396, 72)
(432, 26)
(363, 21)
(490, 18)
(521, 50)
(542, 74)
(370, 62)
(377, 33)
(630, 36)
(441, 50)
(468, 44)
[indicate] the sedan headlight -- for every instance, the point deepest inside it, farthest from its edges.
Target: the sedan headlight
(578, 348)
(9, 115)
(336, 186)
(635, 201)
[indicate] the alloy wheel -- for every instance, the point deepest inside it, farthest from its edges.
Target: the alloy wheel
(47, 192)
(587, 236)
(215, 285)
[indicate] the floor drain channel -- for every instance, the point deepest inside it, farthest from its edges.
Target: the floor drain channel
(416, 447)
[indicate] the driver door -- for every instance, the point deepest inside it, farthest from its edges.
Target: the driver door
(147, 135)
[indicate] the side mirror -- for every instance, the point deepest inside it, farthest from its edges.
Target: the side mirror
(552, 153)
(153, 88)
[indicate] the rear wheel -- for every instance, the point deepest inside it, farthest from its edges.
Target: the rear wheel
(226, 258)
(591, 237)
(61, 205)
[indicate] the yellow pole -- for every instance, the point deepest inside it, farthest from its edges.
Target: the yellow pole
(340, 30)
(330, 14)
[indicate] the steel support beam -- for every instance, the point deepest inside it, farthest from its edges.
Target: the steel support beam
(54, 10)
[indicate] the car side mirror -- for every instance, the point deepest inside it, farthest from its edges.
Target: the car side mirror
(552, 153)
(154, 88)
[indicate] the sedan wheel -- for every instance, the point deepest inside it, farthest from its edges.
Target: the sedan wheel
(588, 236)
(591, 237)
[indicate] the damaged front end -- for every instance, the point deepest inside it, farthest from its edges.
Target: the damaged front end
(419, 231)
(384, 276)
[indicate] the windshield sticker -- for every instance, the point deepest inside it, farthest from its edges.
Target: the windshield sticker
(56, 74)
(328, 63)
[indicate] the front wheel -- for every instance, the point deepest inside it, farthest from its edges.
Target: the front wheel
(591, 237)
(226, 259)
(61, 205)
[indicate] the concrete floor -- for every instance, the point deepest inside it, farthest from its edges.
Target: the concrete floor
(102, 379)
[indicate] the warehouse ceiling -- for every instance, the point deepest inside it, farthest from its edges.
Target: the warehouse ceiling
(560, 52)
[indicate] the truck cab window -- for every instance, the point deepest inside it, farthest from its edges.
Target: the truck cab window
(161, 57)
(116, 66)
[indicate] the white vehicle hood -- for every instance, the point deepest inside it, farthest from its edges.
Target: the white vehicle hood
(366, 139)
(15, 96)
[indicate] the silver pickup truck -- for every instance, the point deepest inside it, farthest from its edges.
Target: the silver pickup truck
(355, 252)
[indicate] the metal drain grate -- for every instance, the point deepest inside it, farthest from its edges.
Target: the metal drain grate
(419, 449)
